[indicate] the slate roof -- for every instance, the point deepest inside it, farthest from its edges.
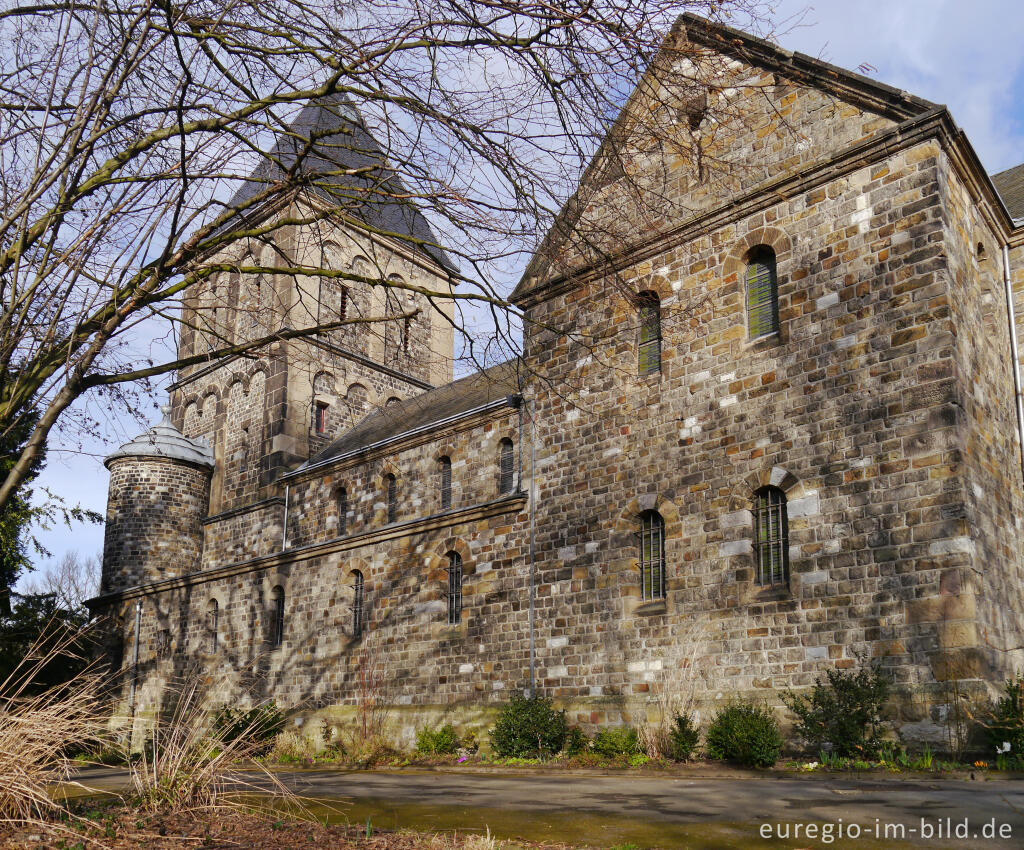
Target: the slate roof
(1010, 186)
(429, 408)
(329, 142)
(164, 440)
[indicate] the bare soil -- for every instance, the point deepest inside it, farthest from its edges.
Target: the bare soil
(230, 830)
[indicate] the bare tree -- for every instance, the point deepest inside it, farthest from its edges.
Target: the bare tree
(71, 581)
(138, 139)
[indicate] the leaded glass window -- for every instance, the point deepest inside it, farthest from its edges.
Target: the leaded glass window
(357, 604)
(652, 556)
(454, 588)
(649, 347)
(762, 293)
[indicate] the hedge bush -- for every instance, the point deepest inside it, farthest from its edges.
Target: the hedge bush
(528, 728)
(744, 733)
(259, 725)
(616, 741)
(843, 711)
(1007, 723)
(683, 737)
(437, 742)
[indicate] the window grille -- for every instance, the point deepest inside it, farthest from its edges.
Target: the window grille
(762, 293)
(446, 482)
(391, 486)
(454, 588)
(506, 466)
(771, 537)
(649, 348)
(652, 556)
(342, 512)
(277, 623)
(357, 604)
(213, 624)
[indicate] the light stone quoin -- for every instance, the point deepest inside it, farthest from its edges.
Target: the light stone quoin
(879, 415)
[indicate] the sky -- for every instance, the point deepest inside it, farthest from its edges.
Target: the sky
(966, 55)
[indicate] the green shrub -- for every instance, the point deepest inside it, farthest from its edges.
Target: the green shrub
(440, 742)
(528, 728)
(258, 726)
(617, 741)
(744, 733)
(1007, 722)
(843, 710)
(683, 736)
(576, 742)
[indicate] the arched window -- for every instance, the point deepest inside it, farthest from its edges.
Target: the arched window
(771, 537)
(649, 346)
(342, 512)
(652, 555)
(277, 616)
(454, 588)
(212, 625)
(391, 496)
(444, 465)
(357, 603)
(506, 466)
(762, 293)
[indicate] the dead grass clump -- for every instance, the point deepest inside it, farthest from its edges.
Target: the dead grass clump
(185, 766)
(39, 730)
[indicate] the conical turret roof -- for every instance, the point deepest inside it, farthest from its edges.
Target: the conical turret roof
(164, 440)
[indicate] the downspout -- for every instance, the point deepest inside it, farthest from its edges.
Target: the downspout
(533, 570)
(135, 671)
(1015, 353)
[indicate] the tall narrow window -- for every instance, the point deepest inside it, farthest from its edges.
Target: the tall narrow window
(762, 293)
(342, 512)
(506, 466)
(212, 625)
(405, 335)
(320, 417)
(357, 603)
(343, 306)
(445, 467)
(277, 616)
(652, 555)
(649, 348)
(771, 537)
(454, 588)
(391, 494)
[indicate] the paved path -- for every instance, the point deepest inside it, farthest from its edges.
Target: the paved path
(670, 812)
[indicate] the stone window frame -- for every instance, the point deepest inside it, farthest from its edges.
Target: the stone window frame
(475, 582)
(652, 556)
(734, 267)
(625, 557)
(212, 625)
(737, 526)
(771, 537)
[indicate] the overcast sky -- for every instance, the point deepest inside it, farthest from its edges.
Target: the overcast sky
(967, 55)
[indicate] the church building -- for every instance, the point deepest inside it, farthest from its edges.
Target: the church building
(775, 431)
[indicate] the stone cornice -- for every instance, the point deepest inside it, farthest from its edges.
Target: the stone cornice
(935, 123)
(512, 503)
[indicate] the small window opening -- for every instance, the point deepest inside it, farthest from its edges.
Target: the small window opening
(454, 588)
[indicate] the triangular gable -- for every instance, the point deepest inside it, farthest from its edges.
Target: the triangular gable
(800, 109)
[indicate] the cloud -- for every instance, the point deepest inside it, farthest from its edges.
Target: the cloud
(964, 55)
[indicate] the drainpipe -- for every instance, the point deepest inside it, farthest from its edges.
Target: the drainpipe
(533, 563)
(1014, 351)
(135, 670)
(284, 528)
